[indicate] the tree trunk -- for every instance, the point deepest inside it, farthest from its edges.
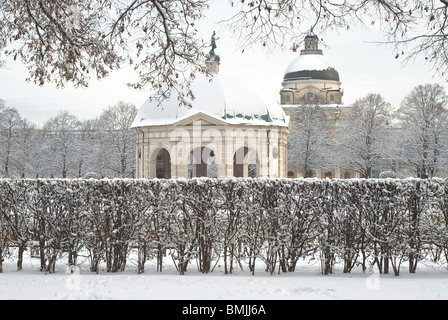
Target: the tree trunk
(142, 250)
(20, 257)
(1, 257)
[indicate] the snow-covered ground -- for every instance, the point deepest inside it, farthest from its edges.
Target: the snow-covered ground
(430, 282)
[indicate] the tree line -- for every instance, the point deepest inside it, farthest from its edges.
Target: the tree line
(67, 147)
(374, 139)
(238, 223)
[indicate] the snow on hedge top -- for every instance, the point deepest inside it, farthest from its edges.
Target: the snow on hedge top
(309, 62)
(223, 97)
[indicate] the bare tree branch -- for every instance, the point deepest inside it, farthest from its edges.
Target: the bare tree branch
(70, 41)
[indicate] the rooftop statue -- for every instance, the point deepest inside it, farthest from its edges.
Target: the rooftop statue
(212, 52)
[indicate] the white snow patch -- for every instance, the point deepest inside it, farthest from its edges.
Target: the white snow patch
(430, 282)
(309, 62)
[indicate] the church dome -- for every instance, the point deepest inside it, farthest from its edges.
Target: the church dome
(311, 67)
(311, 64)
(223, 97)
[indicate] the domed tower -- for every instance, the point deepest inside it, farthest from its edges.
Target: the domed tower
(310, 79)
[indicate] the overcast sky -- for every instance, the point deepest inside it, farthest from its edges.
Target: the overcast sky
(364, 67)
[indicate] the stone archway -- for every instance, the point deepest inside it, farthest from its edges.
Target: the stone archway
(245, 163)
(163, 164)
(202, 163)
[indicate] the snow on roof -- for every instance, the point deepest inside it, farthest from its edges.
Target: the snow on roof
(224, 97)
(309, 62)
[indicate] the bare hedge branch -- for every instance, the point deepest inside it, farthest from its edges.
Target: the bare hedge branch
(238, 222)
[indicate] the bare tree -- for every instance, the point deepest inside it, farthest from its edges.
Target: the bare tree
(423, 117)
(118, 139)
(71, 41)
(364, 137)
(307, 140)
(67, 147)
(61, 134)
(413, 28)
(27, 142)
(88, 144)
(9, 123)
(39, 163)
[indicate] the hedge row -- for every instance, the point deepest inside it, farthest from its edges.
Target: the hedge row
(237, 222)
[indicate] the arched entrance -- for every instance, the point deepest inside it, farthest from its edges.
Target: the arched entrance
(163, 164)
(245, 163)
(203, 163)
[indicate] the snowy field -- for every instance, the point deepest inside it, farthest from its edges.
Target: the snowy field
(430, 282)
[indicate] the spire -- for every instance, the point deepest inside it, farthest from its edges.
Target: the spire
(213, 60)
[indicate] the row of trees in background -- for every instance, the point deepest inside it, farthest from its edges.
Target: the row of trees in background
(409, 141)
(238, 223)
(67, 147)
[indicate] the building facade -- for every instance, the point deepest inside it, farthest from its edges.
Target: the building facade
(229, 131)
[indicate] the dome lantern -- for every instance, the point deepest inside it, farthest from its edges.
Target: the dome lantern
(311, 44)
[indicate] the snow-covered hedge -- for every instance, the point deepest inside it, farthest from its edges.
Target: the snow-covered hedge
(235, 222)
